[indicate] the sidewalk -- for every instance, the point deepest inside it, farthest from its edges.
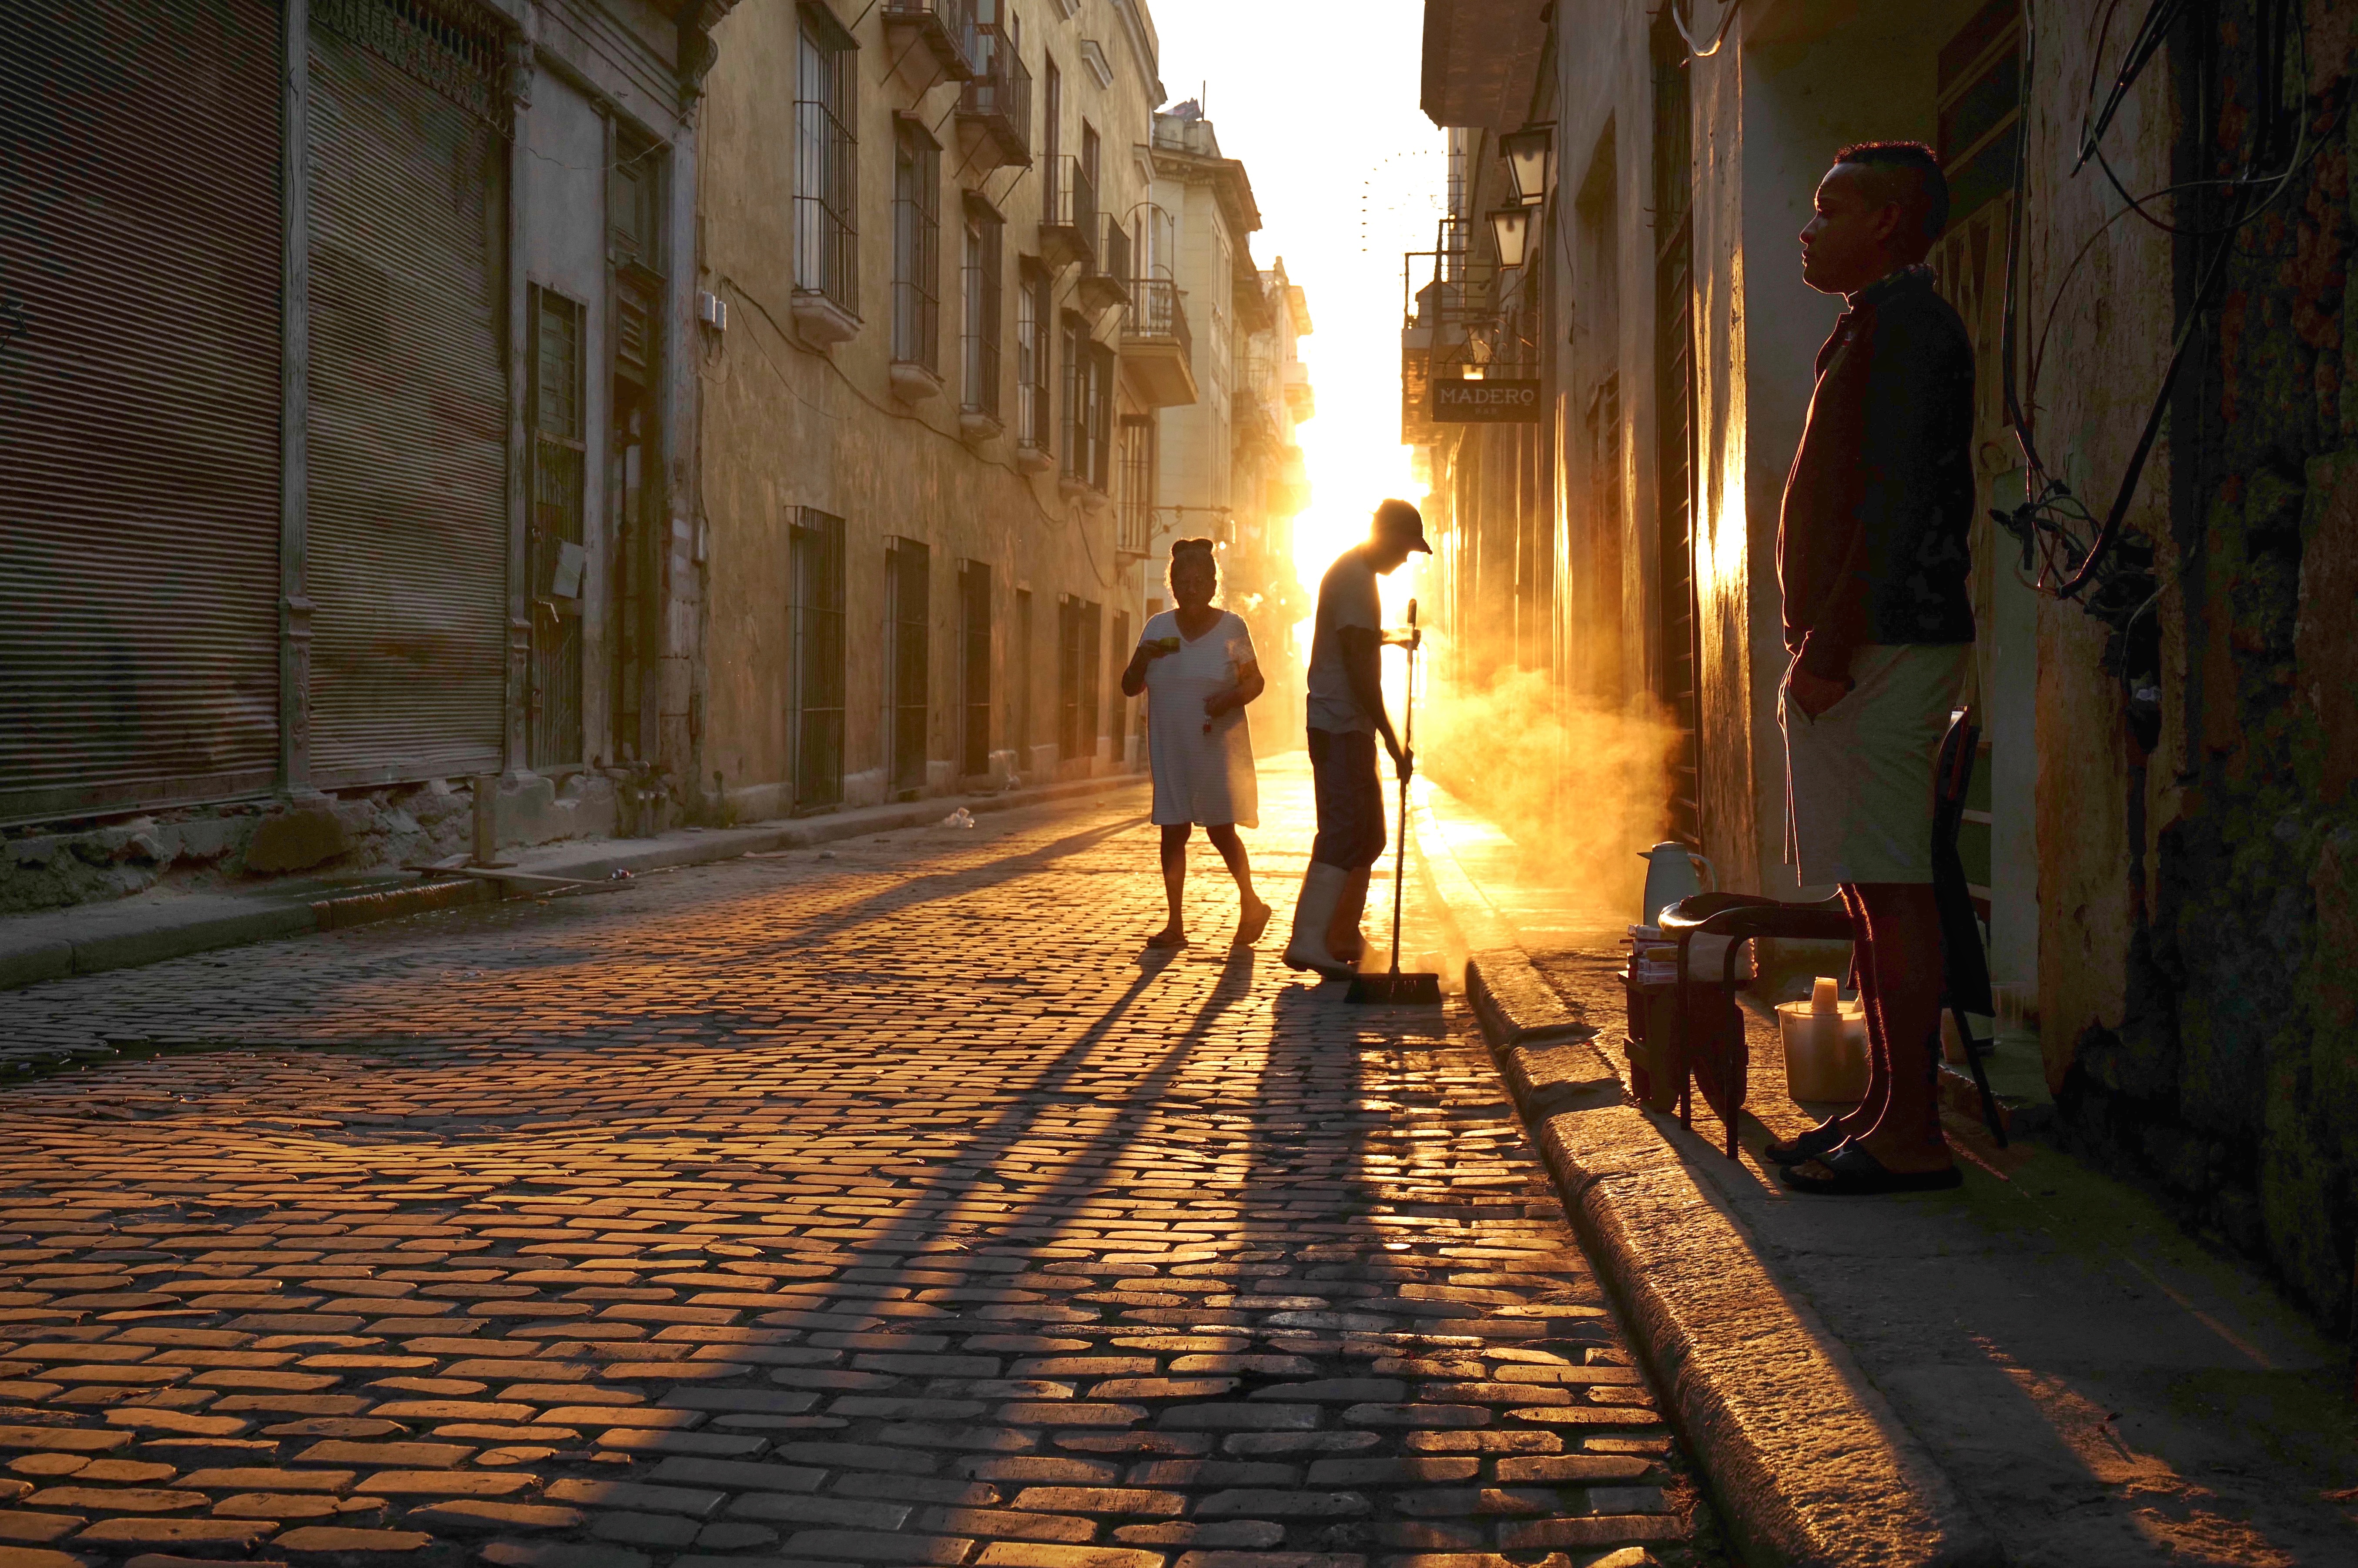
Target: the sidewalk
(2039, 1368)
(167, 923)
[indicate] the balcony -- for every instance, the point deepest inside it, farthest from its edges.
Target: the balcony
(1253, 430)
(994, 117)
(1105, 273)
(1158, 352)
(1068, 214)
(1300, 401)
(946, 28)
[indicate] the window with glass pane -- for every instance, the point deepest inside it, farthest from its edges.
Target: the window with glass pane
(917, 247)
(979, 306)
(1031, 406)
(827, 241)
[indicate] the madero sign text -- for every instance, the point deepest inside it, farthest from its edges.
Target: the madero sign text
(1505, 402)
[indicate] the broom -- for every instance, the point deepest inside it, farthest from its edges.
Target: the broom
(1395, 987)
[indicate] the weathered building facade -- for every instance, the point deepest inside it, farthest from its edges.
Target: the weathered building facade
(349, 474)
(1228, 466)
(921, 221)
(2161, 836)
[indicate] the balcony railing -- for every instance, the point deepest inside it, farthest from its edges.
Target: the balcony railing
(1105, 272)
(1068, 213)
(1155, 311)
(947, 27)
(996, 103)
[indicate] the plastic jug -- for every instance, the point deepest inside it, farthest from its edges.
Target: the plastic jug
(1672, 871)
(1825, 1046)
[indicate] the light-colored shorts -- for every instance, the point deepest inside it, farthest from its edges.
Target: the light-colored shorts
(1858, 777)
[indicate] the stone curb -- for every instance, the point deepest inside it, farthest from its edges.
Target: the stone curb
(125, 938)
(1809, 1465)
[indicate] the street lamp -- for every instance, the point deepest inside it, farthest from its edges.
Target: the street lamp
(1512, 227)
(1530, 158)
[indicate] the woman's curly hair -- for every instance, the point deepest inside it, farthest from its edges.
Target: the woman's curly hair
(1191, 549)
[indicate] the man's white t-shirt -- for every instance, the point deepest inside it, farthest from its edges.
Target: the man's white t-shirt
(1347, 597)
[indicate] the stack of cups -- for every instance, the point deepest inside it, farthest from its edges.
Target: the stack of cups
(1653, 958)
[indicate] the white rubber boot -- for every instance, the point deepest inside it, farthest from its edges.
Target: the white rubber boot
(1322, 889)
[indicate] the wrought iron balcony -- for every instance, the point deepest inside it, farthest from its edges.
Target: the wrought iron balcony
(946, 27)
(1068, 213)
(1158, 351)
(995, 106)
(1105, 273)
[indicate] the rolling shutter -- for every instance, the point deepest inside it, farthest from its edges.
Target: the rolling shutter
(139, 403)
(407, 530)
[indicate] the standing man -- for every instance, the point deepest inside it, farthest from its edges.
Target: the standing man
(1347, 715)
(1871, 554)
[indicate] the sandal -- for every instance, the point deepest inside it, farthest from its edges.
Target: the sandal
(1167, 939)
(1250, 924)
(1822, 1139)
(1852, 1171)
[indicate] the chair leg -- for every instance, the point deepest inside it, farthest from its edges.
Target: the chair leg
(1990, 1118)
(1686, 1063)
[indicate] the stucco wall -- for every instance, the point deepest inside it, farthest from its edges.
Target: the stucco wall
(788, 423)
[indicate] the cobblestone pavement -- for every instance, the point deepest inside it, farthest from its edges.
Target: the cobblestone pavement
(871, 1205)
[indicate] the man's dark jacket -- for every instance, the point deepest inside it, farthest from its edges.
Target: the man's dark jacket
(1871, 545)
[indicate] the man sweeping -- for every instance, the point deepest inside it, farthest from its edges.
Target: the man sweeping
(1871, 552)
(1345, 718)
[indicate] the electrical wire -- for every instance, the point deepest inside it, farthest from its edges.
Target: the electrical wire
(2043, 513)
(1726, 19)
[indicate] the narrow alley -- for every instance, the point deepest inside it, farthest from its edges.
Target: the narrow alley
(867, 1204)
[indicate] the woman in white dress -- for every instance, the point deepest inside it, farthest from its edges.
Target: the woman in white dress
(1196, 664)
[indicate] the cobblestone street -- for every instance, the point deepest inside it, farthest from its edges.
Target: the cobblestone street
(876, 1204)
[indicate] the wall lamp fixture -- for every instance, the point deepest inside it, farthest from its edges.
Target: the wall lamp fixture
(1531, 161)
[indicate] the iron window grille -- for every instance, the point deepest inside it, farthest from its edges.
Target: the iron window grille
(917, 247)
(980, 287)
(827, 177)
(1088, 405)
(1031, 362)
(1135, 522)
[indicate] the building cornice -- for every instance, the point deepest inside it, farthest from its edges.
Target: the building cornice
(1231, 184)
(1144, 49)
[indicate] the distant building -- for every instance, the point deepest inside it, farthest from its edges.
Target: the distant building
(924, 222)
(1228, 468)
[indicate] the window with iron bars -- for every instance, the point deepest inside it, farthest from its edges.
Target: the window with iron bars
(917, 247)
(980, 291)
(827, 236)
(1032, 333)
(1088, 405)
(1135, 522)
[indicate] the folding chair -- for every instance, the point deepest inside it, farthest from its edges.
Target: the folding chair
(1747, 917)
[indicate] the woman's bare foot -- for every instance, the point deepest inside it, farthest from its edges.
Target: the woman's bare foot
(1252, 921)
(1170, 935)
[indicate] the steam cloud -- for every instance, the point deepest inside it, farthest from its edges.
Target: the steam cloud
(1580, 787)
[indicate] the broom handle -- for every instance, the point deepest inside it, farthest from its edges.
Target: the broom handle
(1400, 861)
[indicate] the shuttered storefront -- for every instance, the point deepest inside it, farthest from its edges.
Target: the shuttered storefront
(139, 403)
(407, 528)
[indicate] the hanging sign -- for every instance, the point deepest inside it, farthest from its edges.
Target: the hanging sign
(1485, 402)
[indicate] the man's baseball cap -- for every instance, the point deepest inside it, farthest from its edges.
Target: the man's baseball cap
(1399, 521)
